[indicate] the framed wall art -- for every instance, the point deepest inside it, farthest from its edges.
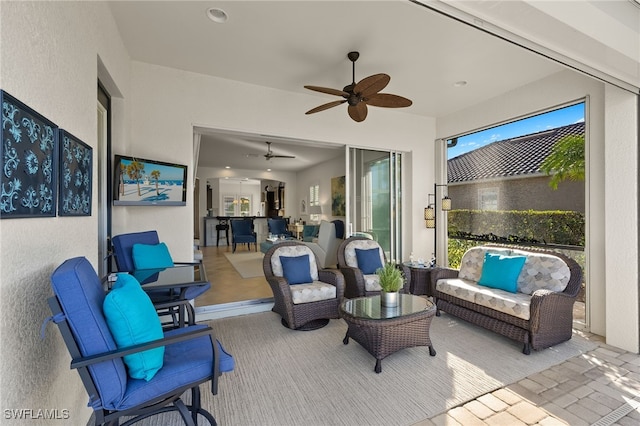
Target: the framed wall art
(29, 161)
(142, 182)
(76, 159)
(338, 196)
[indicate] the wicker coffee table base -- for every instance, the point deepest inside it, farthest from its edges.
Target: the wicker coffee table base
(381, 338)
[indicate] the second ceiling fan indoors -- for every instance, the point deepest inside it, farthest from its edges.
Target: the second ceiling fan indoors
(358, 96)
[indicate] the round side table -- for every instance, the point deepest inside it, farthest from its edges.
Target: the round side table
(420, 277)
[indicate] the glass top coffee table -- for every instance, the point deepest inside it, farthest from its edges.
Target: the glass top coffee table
(383, 331)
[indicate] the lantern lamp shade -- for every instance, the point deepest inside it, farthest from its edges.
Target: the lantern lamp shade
(429, 213)
(430, 223)
(446, 203)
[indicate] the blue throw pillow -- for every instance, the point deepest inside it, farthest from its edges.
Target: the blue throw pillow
(132, 320)
(150, 256)
(501, 272)
(368, 260)
(296, 270)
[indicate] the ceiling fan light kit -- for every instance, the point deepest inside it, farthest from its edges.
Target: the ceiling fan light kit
(358, 96)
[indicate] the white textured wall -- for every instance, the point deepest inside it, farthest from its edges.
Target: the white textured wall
(320, 174)
(49, 57)
(168, 103)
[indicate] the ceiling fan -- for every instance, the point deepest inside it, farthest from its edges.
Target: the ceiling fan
(365, 92)
(269, 155)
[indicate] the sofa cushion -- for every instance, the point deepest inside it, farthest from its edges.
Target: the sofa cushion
(368, 260)
(350, 251)
(293, 251)
(372, 282)
(458, 287)
(542, 271)
(473, 259)
(313, 292)
(500, 271)
(295, 269)
(514, 304)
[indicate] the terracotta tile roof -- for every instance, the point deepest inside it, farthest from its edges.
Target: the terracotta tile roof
(519, 156)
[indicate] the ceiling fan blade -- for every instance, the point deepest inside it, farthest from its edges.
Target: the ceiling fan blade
(358, 112)
(325, 106)
(328, 90)
(283, 156)
(388, 101)
(372, 84)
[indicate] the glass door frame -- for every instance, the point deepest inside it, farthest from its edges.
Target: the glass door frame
(355, 202)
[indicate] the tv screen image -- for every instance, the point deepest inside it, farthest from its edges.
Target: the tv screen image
(139, 182)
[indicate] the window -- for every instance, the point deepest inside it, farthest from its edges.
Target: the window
(314, 200)
(488, 199)
(314, 197)
(236, 205)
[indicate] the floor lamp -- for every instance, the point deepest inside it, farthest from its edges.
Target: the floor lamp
(430, 213)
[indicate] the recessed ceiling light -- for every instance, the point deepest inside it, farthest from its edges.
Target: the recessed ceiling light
(268, 170)
(460, 83)
(217, 15)
(227, 167)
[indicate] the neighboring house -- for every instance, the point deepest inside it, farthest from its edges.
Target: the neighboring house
(506, 175)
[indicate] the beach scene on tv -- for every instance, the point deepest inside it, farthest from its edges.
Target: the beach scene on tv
(143, 181)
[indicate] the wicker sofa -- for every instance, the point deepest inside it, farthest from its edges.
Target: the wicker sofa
(539, 314)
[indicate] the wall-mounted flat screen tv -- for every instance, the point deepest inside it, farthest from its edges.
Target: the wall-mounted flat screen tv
(142, 182)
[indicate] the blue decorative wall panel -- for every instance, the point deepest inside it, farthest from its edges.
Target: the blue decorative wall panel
(75, 176)
(29, 160)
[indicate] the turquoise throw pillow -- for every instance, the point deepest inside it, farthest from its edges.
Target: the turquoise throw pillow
(368, 260)
(501, 272)
(296, 270)
(151, 256)
(132, 320)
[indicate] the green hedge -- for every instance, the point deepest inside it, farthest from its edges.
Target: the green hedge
(551, 227)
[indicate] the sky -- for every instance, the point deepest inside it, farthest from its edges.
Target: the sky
(549, 120)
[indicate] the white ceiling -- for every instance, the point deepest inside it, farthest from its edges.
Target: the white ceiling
(288, 44)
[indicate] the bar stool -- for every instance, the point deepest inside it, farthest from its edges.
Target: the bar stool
(223, 225)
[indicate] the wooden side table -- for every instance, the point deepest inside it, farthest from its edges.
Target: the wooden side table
(419, 276)
(297, 228)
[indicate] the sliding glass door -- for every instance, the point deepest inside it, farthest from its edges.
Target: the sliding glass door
(374, 197)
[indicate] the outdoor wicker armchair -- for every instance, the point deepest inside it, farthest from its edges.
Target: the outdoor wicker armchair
(309, 304)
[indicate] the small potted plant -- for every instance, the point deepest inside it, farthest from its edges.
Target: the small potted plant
(391, 281)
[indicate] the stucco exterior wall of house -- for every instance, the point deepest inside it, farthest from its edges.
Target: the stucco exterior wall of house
(531, 193)
(49, 54)
(613, 133)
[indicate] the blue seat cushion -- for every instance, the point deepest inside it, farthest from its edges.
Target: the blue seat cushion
(176, 372)
(296, 269)
(368, 260)
(501, 272)
(151, 256)
(132, 320)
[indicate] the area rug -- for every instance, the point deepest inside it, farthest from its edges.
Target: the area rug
(247, 263)
(286, 377)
